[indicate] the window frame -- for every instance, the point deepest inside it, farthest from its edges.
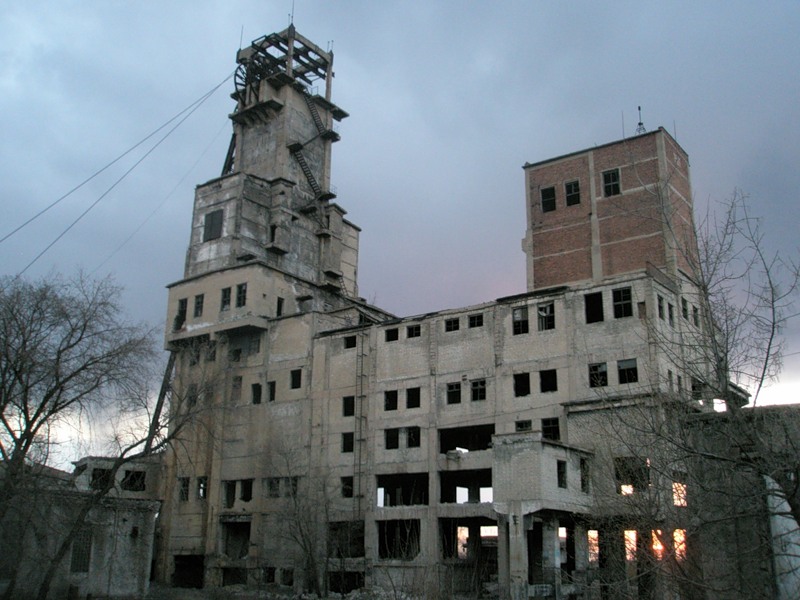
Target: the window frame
(572, 196)
(475, 320)
(622, 301)
(390, 400)
(548, 381)
(627, 371)
(212, 225)
(546, 316)
(547, 196)
(241, 295)
(612, 183)
(477, 390)
(413, 397)
(519, 320)
(452, 324)
(453, 392)
(598, 375)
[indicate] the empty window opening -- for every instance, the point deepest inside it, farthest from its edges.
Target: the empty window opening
(392, 438)
(548, 195)
(466, 486)
(273, 487)
(471, 439)
(611, 185)
(398, 539)
(279, 307)
(198, 305)
(454, 393)
(524, 425)
(229, 493)
(413, 397)
(236, 389)
(390, 400)
(202, 488)
(451, 324)
(623, 302)
(598, 375)
(348, 439)
(660, 300)
(101, 479)
(546, 316)
(627, 370)
(347, 486)
(684, 309)
(225, 299)
(594, 307)
(346, 539)
(548, 381)
(212, 225)
(296, 378)
(473, 540)
(632, 474)
(413, 437)
(234, 576)
(344, 582)
(679, 544)
(561, 473)
(241, 295)
(586, 475)
(133, 481)
(478, 389)
(593, 547)
(671, 315)
(413, 331)
(657, 544)
(271, 391)
(519, 320)
(551, 429)
(696, 316)
(269, 574)
(630, 545)
(698, 388)
(180, 316)
(679, 489)
(350, 341)
(572, 190)
(522, 384)
(407, 489)
(476, 321)
(183, 489)
(255, 393)
(81, 551)
(287, 577)
(236, 538)
(392, 335)
(348, 406)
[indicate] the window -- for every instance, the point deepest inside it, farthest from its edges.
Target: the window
(180, 316)
(679, 544)
(225, 299)
(598, 375)
(348, 406)
(413, 331)
(390, 400)
(660, 307)
(548, 381)
(236, 389)
(632, 474)
(255, 393)
(519, 320)
(572, 189)
(551, 429)
(198, 305)
(133, 481)
(290, 486)
(347, 486)
(593, 304)
(522, 384)
(679, 489)
(392, 335)
(350, 341)
(81, 551)
(626, 369)
(586, 475)
(478, 389)
(229, 488)
(348, 441)
(451, 324)
(271, 392)
(269, 574)
(235, 354)
(623, 302)
(525, 425)
(274, 487)
(279, 307)
(241, 295)
(202, 488)
(287, 576)
(212, 227)
(296, 378)
(611, 183)
(476, 321)
(183, 489)
(412, 397)
(684, 309)
(254, 344)
(561, 473)
(246, 490)
(454, 393)
(548, 199)
(101, 478)
(697, 389)
(546, 316)
(392, 438)
(671, 315)
(413, 437)
(696, 316)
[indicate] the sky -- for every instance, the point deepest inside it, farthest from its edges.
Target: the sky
(447, 101)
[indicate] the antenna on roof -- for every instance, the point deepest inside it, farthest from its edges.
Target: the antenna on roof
(640, 127)
(291, 15)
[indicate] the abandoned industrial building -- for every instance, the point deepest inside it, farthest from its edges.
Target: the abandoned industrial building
(495, 448)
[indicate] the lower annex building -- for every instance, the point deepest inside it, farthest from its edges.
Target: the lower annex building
(334, 445)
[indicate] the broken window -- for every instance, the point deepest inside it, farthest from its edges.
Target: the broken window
(470, 486)
(478, 387)
(697, 389)
(246, 490)
(212, 226)
(202, 488)
(225, 299)
(476, 321)
(551, 429)
(180, 316)
(133, 481)
(81, 551)
(255, 393)
(398, 539)
(627, 371)
(546, 316)
(101, 478)
(476, 437)
(241, 295)
(598, 375)
(413, 331)
(522, 384)
(348, 439)
(452, 324)
(632, 474)
(229, 491)
(679, 544)
(572, 190)
(561, 473)
(413, 437)
(347, 486)
(392, 438)
(623, 302)
(454, 393)
(346, 539)
(469, 539)
(296, 378)
(630, 544)
(586, 475)
(236, 539)
(390, 400)
(594, 307)
(548, 196)
(348, 406)
(271, 391)
(392, 335)
(519, 320)
(413, 397)
(198, 305)
(407, 489)
(611, 185)
(548, 381)
(524, 425)
(183, 489)
(350, 341)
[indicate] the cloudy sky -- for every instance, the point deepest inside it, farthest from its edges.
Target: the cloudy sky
(447, 101)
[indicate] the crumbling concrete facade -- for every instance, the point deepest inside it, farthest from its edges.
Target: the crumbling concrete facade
(337, 446)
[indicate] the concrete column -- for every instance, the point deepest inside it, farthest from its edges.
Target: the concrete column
(518, 555)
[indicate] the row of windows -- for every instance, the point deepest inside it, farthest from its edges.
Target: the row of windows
(585, 475)
(199, 304)
(477, 391)
(627, 372)
(621, 301)
(572, 191)
(669, 314)
(184, 488)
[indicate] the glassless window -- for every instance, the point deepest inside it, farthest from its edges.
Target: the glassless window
(548, 199)
(611, 183)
